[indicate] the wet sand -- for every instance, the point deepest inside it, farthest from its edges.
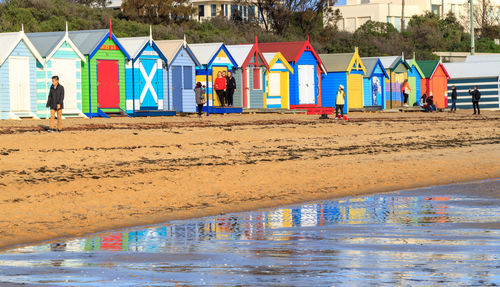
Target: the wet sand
(103, 174)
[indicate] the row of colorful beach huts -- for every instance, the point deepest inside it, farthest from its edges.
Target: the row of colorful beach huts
(105, 75)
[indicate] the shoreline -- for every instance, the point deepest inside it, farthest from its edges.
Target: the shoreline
(84, 182)
(231, 211)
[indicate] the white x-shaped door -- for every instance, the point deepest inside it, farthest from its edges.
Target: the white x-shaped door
(149, 84)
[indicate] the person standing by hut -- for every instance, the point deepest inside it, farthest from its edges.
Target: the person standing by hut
(231, 87)
(55, 102)
(453, 99)
(476, 95)
(220, 88)
(199, 92)
(339, 102)
(406, 90)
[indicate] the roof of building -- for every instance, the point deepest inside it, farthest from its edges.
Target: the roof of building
(170, 48)
(289, 50)
(466, 70)
(272, 58)
(11, 40)
(87, 40)
(205, 52)
(240, 52)
(336, 62)
(134, 45)
(45, 42)
(414, 65)
(483, 58)
(428, 67)
(390, 62)
(370, 65)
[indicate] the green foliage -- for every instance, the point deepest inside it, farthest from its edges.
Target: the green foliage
(424, 35)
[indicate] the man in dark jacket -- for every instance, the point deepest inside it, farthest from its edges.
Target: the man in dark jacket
(56, 104)
(453, 99)
(231, 87)
(476, 95)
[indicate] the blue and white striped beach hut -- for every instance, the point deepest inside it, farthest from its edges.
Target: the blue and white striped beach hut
(465, 75)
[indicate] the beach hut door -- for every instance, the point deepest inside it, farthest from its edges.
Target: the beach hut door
(108, 85)
(65, 69)
(19, 84)
(148, 84)
(306, 84)
(274, 99)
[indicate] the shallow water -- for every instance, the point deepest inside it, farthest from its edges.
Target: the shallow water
(434, 236)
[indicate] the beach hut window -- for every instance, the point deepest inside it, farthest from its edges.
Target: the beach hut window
(257, 79)
(188, 77)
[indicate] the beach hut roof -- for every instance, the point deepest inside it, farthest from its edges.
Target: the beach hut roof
(272, 58)
(47, 43)
(88, 40)
(291, 50)
(483, 58)
(371, 64)
(468, 70)
(336, 62)
(391, 62)
(11, 40)
(205, 52)
(170, 48)
(429, 67)
(134, 45)
(240, 52)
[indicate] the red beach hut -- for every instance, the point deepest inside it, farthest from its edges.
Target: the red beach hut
(435, 82)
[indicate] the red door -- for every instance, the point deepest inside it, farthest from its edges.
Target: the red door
(108, 89)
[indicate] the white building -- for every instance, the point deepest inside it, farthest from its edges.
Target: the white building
(357, 12)
(228, 8)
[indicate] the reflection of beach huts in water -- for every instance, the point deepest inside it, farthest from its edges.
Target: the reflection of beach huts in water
(214, 58)
(305, 82)
(144, 77)
(415, 76)
(464, 76)
(63, 59)
(397, 69)
(249, 76)
(179, 75)
(435, 82)
(347, 70)
(374, 88)
(103, 72)
(277, 90)
(18, 86)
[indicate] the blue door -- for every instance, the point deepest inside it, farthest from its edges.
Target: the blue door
(148, 84)
(177, 87)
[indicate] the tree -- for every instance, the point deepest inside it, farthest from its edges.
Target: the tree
(158, 11)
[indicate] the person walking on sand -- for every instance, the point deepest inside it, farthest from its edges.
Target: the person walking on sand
(476, 95)
(231, 87)
(406, 90)
(339, 103)
(453, 99)
(199, 92)
(220, 88)
(55, 102)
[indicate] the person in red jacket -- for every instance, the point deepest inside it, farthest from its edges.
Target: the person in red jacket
(220, 88)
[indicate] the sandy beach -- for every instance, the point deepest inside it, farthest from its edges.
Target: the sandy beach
(102, 174)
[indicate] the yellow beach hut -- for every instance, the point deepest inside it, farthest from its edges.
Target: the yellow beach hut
(277, 84)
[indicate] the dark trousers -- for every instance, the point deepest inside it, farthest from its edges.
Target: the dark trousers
(229, 97)
(453, 104)
(200, 108)
(405, 97)
(337, 108)
(475, 104)
(221, 95)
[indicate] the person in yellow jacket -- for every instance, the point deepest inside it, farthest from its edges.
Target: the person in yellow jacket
(339, 103)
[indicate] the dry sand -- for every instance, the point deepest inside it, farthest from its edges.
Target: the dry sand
(104, 174)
